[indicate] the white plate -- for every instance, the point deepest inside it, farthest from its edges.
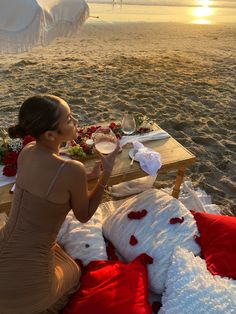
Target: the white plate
(131, 154)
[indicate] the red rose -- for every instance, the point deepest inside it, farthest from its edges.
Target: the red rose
(92, 129)
(27, 139)
(112, 125)
(10, 158)
(9, 170)
(86, 148)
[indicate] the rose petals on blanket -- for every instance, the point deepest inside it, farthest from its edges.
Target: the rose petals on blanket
(155, 235)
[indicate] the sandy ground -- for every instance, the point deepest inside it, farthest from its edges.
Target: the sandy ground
(181, 76)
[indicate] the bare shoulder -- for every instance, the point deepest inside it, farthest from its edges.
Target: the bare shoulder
(25, 150)
(74, 171)
(75, 167)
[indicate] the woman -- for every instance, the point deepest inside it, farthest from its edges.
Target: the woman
(36, 275)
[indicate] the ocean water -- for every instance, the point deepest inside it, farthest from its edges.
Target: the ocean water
(176, 3)
(201, 14)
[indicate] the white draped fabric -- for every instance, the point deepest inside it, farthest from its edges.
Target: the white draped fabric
(25, 23)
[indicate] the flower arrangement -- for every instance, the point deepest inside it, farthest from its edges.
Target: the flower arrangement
(83, 148)
(9, 152)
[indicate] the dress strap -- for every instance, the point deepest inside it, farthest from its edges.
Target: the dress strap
(55, 177)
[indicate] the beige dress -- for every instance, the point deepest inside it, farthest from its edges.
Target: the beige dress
(36, 275)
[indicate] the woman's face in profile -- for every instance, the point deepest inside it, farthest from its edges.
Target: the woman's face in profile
(67, 123)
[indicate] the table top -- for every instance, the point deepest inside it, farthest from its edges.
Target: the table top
(173, 156)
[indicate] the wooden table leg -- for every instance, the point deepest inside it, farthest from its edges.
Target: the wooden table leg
(178, 181)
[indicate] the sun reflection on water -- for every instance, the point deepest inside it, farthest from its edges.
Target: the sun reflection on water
(203, 12)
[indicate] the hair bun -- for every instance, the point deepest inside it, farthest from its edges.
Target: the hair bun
(16, 131)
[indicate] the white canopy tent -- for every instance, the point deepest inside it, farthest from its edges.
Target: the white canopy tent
(25, 23)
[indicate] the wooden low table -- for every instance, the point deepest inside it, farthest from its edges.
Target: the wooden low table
(173, 157)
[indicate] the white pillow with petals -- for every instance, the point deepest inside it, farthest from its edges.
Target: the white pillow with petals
(83, 241)
(154, 233)
(191, 288)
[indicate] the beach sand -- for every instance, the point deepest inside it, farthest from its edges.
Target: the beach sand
(181, 76)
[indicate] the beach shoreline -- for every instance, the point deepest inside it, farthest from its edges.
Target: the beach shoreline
(181, 76)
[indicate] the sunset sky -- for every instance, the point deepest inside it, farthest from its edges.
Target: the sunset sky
(217, 3)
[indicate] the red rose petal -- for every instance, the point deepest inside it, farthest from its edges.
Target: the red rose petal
(132, 215)
(133, 241)
(143, 213)
(137, 214)
(176, 220)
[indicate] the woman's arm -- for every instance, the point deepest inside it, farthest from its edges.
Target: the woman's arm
(84, 202)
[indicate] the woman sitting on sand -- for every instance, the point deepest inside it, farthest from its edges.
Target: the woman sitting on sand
(36, 275)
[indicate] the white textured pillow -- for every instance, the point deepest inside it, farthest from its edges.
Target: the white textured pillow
(83, 241)
(191, 288)
(156, 236)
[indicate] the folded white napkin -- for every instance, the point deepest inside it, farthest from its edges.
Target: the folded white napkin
(149, 160)
(150, 136)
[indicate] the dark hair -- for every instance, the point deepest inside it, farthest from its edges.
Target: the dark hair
(37, 115)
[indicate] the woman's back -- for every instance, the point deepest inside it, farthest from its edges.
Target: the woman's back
(27, 243)
(43, 174)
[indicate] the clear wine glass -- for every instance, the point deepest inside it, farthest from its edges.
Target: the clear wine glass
(105, 140)
(128, 124)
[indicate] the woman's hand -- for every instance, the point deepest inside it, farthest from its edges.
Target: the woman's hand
(96, 171)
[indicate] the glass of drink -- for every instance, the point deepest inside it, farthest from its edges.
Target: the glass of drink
(105, 140)
(128, 124)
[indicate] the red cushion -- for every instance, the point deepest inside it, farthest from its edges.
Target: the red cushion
(218, 243)
(113, 287)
